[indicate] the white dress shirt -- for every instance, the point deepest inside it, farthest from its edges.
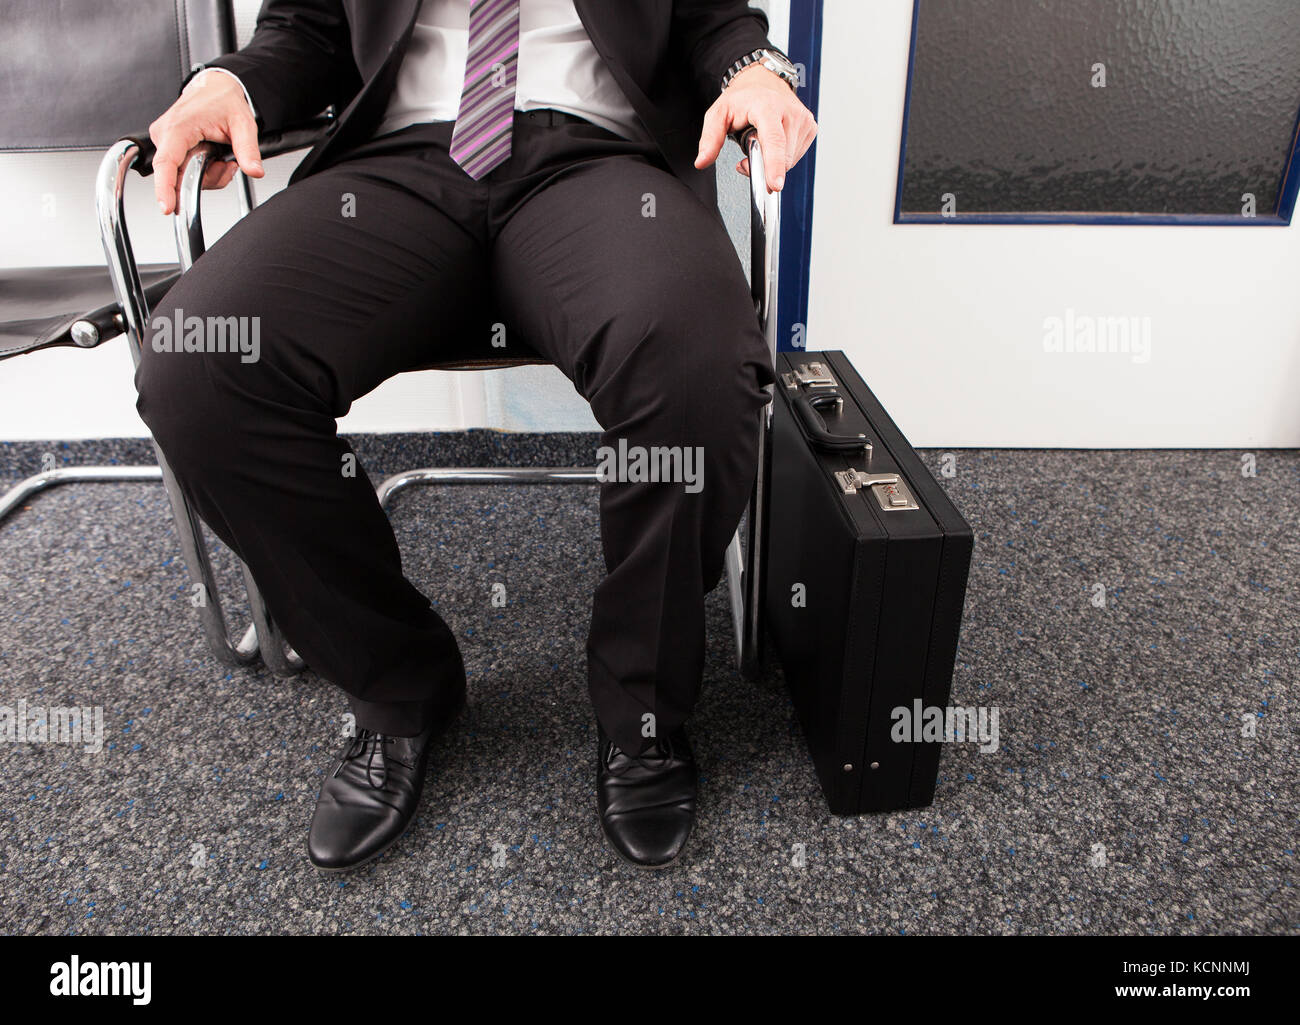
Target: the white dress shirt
(558, 67)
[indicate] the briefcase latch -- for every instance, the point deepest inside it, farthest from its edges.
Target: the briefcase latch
(891, 493)
(810, 375)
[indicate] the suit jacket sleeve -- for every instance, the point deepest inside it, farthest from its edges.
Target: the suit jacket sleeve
(298, 62)
(711, 35)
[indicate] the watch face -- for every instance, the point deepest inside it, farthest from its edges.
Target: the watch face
(784, 68)
(775, 62)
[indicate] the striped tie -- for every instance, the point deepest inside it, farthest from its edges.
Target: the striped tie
(481, 138)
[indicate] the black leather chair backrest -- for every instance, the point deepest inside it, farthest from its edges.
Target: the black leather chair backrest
(80, 74)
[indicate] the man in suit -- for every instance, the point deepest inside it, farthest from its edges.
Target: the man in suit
(534, 169)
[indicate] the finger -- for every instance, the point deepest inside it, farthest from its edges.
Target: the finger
(219, 175)
(185, 164)
(714, 136)
(743, 166)
(172, 149)
(807, 135)
(243, 140)
(771, 136)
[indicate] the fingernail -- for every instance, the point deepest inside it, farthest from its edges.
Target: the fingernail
(162, 206)
(780, 183)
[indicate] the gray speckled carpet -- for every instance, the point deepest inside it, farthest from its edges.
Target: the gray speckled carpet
(1145, 782)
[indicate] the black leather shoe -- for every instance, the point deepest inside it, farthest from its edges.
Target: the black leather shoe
(369, 800)
(647, 801)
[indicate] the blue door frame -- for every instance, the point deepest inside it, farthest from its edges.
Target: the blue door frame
(797, 197)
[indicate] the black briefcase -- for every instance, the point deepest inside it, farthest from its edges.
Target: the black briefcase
(867, 561)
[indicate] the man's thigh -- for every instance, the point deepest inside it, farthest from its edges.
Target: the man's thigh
(351, 276)
(617, 273)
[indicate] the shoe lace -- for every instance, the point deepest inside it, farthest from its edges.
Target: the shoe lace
(661, 751)
(371, 744)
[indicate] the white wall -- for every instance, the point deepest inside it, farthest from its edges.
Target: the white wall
(946, 322)
(64, 394)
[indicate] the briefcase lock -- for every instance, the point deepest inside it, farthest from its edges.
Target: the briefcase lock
(811, 375)
(890, 491)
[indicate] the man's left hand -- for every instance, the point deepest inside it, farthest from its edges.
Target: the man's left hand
(762, 98)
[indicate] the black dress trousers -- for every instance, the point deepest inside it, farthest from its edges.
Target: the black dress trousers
(584, 244)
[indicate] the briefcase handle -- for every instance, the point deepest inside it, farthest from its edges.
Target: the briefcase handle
(814, 427)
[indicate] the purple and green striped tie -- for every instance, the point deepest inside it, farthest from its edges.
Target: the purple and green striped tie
(481, 138)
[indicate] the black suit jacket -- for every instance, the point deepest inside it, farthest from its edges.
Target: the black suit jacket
(668, 56)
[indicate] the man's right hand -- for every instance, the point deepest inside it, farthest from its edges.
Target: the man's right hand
(212, 108)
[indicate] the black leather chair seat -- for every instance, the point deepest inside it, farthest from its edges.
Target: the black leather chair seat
(38, 306)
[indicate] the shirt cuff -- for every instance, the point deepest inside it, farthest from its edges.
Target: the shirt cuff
(208, 71)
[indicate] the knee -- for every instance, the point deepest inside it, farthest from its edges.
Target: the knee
(717, 384)
(182, 394)
(697, 364)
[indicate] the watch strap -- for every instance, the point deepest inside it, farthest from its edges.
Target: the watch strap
(759, 56)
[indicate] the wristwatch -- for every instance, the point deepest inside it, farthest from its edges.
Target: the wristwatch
(772, 59)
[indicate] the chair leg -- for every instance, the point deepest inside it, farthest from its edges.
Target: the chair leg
(744, 570)
(263, 637)
(764, 265)
(206, 597)
(278, 656)
(485, 475)
(24, 489)
(753, 577)
(736, 593)
(110, 186)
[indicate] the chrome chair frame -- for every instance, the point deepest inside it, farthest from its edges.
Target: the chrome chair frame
(744, 557)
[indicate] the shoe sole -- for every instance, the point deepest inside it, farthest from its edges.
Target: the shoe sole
(452, 716)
